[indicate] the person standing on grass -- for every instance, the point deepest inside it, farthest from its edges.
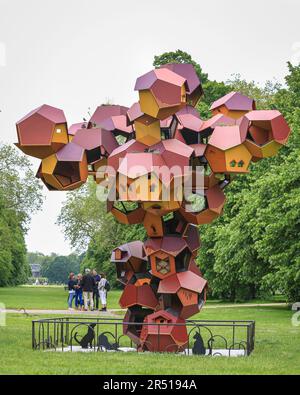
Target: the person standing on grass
(97, 278)
(78, 293)
(88, 284)
(71, 288)
(104, 287)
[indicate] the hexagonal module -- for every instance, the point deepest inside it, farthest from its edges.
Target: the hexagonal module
(233, 105)
(129, 257)
(168, 255)
(42, 132)
(205, 208)
(267, 133)
(65, 170)
(98, 143)
(162, 93)
(194, 89)
(226, 149)
(160, 334)
(183, 292)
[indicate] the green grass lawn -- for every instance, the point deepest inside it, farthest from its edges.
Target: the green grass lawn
(44, 298)
(277, 350)
(277, 346)
(56, 298)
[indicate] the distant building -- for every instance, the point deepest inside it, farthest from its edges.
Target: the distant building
(35, 270)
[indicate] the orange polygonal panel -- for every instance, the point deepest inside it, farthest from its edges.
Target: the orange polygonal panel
(148, 134)
(66, 170)
(233, 160)
(266, 151)
(187, 297)
(141, 281)
(162, 93)
(145, 188)
(131, 217)
(161, 208)
(233, 105)
(99, 170)
(153, 225)
(135, 114)
(162, 264)
(42, 132)
(160, 333)
(226, 151)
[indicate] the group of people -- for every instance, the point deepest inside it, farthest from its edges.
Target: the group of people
(87, 289)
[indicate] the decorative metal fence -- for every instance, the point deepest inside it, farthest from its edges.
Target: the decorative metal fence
(205, 337)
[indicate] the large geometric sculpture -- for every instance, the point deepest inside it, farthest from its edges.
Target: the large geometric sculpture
(165, 143)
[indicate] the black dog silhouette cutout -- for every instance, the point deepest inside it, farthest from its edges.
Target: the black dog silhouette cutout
(198, 347)
(104, 343)
(87, 340)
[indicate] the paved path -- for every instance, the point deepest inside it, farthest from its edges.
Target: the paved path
(112, 312)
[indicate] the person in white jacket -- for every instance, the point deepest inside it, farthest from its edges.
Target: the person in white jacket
(103, 291)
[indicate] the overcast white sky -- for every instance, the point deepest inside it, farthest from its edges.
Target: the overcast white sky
(77, 54)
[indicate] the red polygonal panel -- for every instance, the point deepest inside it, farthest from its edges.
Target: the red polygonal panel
(271, 121)
(118, 154)
(98, 143)
(133, 322)
(187, 280)
(118, 125)
(174, 153)
(73, 129)
(191, 235)
(138, 295)
(234, 101)
(132, 255)
(137, 164)
(106, 111)
(226, 137)
(42, 132)
(157, 77)
(187, 71)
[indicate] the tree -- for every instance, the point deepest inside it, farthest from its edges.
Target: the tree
(57, 268)
(180, 56)
(254, 247)
(19, 188)
(213, 90)
(91, 229)
(20, 196)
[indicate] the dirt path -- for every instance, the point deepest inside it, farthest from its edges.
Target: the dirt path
(113, 312)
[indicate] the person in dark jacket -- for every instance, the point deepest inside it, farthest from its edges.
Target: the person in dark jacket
(78, 293)
(71, 287)
(97, 278)
(88, 284)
